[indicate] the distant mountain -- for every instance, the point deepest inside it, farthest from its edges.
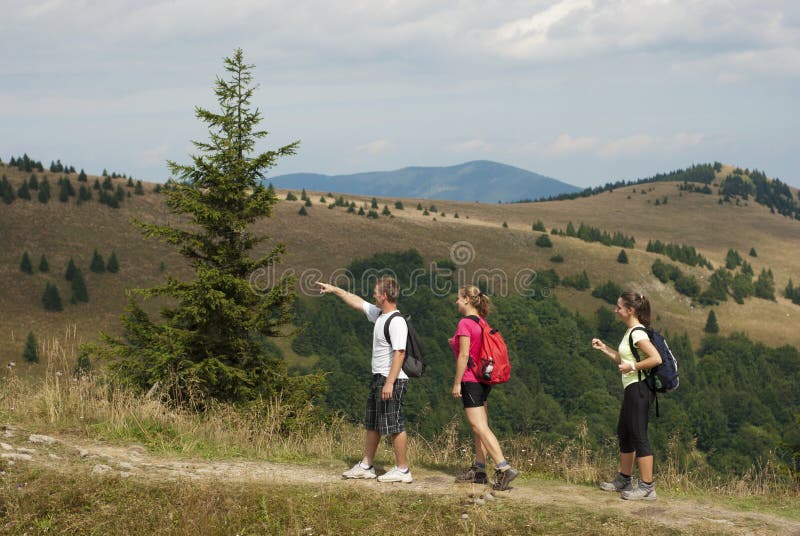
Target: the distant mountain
(480, 180)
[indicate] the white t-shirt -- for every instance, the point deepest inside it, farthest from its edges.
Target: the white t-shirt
(381, 352)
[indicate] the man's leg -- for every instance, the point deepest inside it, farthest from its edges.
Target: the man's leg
(371, 441)
(400, 445)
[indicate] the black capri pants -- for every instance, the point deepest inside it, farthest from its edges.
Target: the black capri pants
(633, 419)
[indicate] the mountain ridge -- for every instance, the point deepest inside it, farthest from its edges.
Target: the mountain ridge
(476, 180)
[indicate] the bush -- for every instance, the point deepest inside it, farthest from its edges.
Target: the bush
(608, 291)
(544, 241)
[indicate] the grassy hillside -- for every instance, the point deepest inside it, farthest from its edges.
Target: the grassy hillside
(329, 239)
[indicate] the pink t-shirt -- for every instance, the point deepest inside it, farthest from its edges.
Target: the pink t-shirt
(468, 328)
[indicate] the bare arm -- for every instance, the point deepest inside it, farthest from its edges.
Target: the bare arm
(461, 364)
(347, 297)
(397, 363)
(613, 355)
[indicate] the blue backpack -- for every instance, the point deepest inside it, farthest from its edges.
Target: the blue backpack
(663, 378)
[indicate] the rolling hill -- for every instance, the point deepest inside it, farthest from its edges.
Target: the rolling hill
(479, 180)
(483, 237)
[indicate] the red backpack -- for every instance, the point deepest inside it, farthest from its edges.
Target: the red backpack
(492, 365)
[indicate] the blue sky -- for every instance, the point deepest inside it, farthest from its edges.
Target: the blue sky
(585, 91)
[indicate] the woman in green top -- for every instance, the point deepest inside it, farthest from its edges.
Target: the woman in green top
(633, 309)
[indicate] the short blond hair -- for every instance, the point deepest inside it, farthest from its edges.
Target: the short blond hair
(389, 286)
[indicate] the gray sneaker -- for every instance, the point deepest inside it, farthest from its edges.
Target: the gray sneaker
(619, 484)
(642, 492)
(503, 478)
(473, 475)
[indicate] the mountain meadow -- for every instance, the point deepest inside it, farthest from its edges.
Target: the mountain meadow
(718, 265)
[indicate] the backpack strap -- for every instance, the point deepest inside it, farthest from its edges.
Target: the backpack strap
(386, 328)
(635, 353)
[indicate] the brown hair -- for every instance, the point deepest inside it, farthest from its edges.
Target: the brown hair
(388, 285)
(477, 299)
(640, 305)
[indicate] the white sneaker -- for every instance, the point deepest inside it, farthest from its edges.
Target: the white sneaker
(396, 475)
(359, 472)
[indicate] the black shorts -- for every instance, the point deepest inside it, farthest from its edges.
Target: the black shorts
(385, 416)
(474, 394)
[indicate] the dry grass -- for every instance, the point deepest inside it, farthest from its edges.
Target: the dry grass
(270, 430)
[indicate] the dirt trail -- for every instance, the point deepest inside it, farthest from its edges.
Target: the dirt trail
(133, 461)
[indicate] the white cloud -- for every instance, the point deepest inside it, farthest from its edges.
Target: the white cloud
(565, 144)
(375, 147)
(469, 146)
(153, 156)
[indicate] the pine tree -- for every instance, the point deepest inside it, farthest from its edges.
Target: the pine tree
(113, 264)
(23, 192)
(7, 191)
(139, 190)
(96, 185)
(31, 352)
(210, 344)
(97, 266)
(69, 274)
(753, 252)
(711, 323)
(308, 201)
(303, 195)
(82, 176)
(52, 299)
(398, 205)
(79, 290)
(622, 258)
(302, 211)
(373, 203)
(25, 265)
(33, 182)
(119, 194)
(44, 191)
(129, 184)
(63, 191)
(291, 197)
(44, 266)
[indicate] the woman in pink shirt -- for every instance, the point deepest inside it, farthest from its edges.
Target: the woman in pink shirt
(466, 343)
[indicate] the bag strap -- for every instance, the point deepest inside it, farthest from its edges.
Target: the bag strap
(635, 353)
(386, 327)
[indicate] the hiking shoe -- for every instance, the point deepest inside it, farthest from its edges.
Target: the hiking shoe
(359, 472)
(503, 478)
(396, 475)
(473, 475)
(642, 492)
(619, 484)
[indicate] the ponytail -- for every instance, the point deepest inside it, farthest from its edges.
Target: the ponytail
(477, 299)
(640, 305)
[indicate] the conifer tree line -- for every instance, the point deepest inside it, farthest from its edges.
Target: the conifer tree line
(108, 193)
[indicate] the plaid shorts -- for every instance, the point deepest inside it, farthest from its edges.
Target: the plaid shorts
(385, 416)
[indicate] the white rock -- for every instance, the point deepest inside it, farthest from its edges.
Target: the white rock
(100, 469)
(54, 456)
(16, 456)
(124, 474)
(479, 501)
(27, 451)
(6, 446)
(8, 433)
(125, 465)
(47, 440)
(84, 453)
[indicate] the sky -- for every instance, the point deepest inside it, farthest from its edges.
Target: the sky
(584, 91)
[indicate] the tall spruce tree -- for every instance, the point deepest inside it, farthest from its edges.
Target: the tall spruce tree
(23, 192)
(31, 352)
(25, 264)
(70, 271)
(97, 265)
(78, 287)
(711, 323)
(44, 266)
(211, 342)
(112, 266)
(52, 299)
